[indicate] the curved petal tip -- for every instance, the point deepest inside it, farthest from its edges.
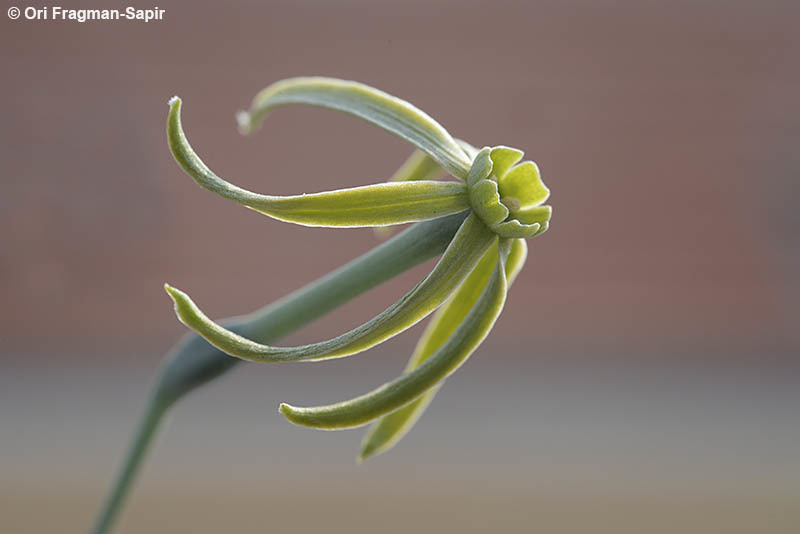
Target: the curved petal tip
(244, 121)
(289, 412)
(183, 304)
(174, 293)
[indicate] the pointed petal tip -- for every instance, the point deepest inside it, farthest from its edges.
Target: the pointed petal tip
(174, 293)
(286, 410)
(183, 304)
(369, 450)
(244, 121)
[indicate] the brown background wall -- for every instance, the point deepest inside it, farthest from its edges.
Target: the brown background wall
(665, 133)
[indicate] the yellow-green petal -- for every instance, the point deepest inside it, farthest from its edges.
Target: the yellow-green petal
(516, 229)
(534, 214)
(405, 389)
(373, 205)
(525, 183)
(418, 166)
(389, 429)
(372, 105)
(504, 158)
(481, 167)
(465, 250)
(485, 201)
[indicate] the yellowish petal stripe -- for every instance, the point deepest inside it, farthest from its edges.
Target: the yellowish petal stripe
(393, 395)
(372, 105)
(373, 205)
(389, 429)
(464, 252)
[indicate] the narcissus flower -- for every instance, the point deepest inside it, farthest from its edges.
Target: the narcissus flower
(501, 202)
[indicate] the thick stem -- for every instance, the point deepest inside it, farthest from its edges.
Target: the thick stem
(193, 362)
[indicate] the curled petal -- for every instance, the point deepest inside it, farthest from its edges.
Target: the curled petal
(481, 167)
(529, 222)
(535, 214)
(504, 158)
(483, 193)
(465, 250)
(507, 195)
(389, 429)
(408, 387)
(516, 229)
(486, 202)
(372, 105)
(373, 205)
(525, 183)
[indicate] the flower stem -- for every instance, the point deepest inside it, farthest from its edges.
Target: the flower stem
(193, 362)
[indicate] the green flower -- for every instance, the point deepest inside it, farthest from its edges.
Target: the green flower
(501, 204)
(508, 196)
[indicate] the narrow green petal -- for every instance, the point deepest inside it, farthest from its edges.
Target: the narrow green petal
(389, 429)
(372, 105)
(516, 259)
(418, 166)
(395, 394)
(373, 205)
(465, 250)
(468, 149)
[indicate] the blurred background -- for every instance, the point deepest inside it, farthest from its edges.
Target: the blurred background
(645, 373)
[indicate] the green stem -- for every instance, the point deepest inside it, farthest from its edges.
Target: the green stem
(193, 362)
(143, 438)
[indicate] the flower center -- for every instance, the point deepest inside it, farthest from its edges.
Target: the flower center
(507, 195)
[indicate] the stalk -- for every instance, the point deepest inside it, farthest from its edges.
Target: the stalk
(193, 362)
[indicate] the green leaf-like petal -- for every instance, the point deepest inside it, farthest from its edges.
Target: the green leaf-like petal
(418, 166)
(515, 229)
(486, 202)
(408, 387)
(481, 167)
(525, 183)
(372, 105)
(373, 205)
(389, 429)
(534, 214)
(465, 250)
(504, 158)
